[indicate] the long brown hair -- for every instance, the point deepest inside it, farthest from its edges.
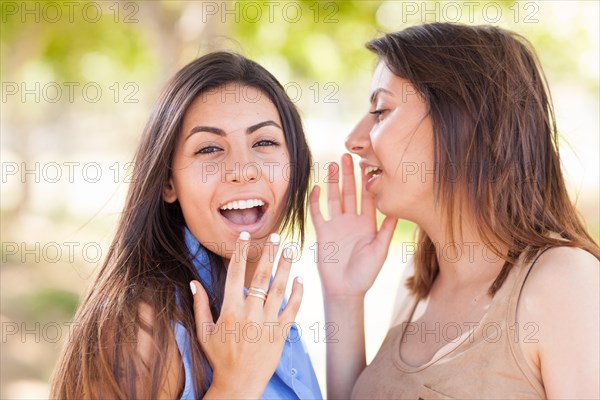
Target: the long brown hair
(495, 141)
(148, 262)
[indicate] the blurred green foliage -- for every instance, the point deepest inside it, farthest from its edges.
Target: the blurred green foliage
(320, 40)
(326, 43)
(62, 45)
(45, 305)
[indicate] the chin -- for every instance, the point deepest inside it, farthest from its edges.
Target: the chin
(387, 209)
(395, 209)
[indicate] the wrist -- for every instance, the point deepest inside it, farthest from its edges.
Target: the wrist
(216, 391)
(340, 290)
(230, 387)
(342, 307)
(348, 299)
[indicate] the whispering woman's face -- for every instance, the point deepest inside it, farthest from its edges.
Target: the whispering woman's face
(231, 167)
(395, 143)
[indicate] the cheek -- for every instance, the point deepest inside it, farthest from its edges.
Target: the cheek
(389, 148)
(194, 186)
(278, 172)
(279, 188)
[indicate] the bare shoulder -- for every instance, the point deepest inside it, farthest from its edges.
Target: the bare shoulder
(563, 279)
(561, 297)
(562, 269)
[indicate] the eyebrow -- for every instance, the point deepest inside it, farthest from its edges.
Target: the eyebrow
(376, 93)
(221, 132)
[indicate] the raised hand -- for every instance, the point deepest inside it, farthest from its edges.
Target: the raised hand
(244, 346)
(351, 249)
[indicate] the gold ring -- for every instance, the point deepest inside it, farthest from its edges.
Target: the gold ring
(258, 290)
(259, 295)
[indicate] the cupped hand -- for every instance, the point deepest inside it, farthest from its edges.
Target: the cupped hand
(245, 344)
(351, 250)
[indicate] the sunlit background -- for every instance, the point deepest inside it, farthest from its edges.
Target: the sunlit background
(78, 81)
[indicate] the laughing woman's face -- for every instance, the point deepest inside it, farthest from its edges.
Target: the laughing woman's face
(230, 167)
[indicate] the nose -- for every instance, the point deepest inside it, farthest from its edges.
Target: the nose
(240, 167)
(358, 141)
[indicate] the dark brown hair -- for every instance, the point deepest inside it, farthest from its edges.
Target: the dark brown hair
(495, 141)
(148, 262)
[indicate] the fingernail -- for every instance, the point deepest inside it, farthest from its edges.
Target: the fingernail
(274, 238)
(299, 280)
(193, 288)
(244, 236)
(288, 253)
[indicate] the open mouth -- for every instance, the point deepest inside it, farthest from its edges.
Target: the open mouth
(244, 212)
(373, 172)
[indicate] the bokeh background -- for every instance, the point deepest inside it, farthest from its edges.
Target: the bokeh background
(78, 81)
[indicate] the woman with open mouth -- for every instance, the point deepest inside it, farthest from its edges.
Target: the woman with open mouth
(502, 297)
(185, 305)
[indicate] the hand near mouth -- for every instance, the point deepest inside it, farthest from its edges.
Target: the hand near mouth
(351, 249)
(245, 344)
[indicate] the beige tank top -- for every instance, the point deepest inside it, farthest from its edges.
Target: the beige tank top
(487, 364)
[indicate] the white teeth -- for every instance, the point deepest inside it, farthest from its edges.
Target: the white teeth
(242, 204)
(370, 169)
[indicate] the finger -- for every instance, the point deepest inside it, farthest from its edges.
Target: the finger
(367, 201)
(202, 316)
(262, 275)
(315, 209)
(333, 190)
(290, 311)
(385, 234)
(348, 184)
(236, 271)
(277, 290)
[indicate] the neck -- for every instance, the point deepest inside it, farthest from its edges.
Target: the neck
(464, 257)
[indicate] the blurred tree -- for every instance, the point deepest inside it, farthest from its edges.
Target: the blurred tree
(319, 40)
(325, 39)
(47, 42)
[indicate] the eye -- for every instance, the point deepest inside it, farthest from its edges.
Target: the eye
(209, 150)
(378, 113)
(266, 142)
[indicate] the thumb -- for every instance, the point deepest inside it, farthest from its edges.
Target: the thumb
(385, 234)
(202, 314)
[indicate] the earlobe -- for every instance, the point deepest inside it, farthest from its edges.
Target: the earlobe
(169, 193)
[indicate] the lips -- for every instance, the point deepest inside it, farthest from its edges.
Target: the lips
(372, 173)
(244, 214)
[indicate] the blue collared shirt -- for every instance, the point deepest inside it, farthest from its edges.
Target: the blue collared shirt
(294, 377)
